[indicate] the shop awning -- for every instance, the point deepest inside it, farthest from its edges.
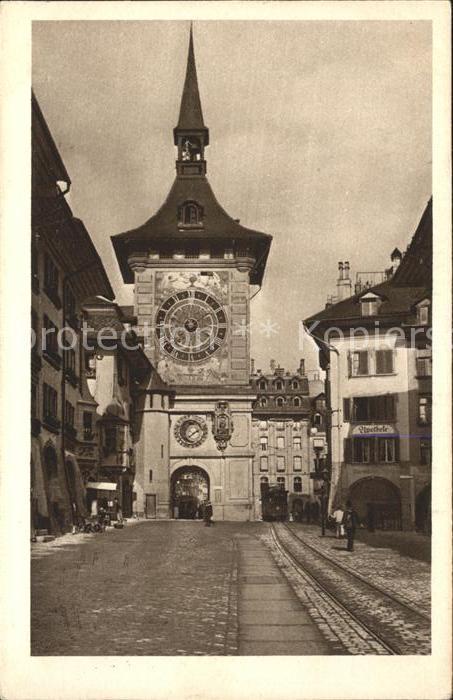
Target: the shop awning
(101, 486)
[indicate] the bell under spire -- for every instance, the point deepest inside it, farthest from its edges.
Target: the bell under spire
(191, 135)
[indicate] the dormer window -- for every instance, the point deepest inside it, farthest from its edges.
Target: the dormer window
(279, 385)
(423, 309)
(370, 304)
(295, 384)
(190, 214)
(297, 401)
(262, 385)
(280, 401)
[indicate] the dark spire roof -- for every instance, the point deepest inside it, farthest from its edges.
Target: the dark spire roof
(190, 114)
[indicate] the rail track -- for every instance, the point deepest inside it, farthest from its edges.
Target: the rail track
(398, 626)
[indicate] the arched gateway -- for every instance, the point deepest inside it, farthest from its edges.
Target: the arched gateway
(377, 502)
(189, 489)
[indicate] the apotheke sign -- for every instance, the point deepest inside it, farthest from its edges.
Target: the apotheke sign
(373, 429)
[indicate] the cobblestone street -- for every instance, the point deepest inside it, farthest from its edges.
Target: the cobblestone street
(179, 588)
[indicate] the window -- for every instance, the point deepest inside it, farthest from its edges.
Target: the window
(297, 401)
(87, 425)
(425, 451)
(192, 252)
(161, 451)
(369, 408)
(90, 365)
(264, 467)
(280, 401)
(280, 442)
(281, 464)
(150, 475)
(358, 363)
(297, 464)
(371, 450)
(51, 280)
(370, 304)
(320, 404)
(384, 361)
(281, 481)
(190, 214)
(262, 385)
(264, 483)
(50, 406)
(424, 366)
(386, 449)
(50, 340)
(69, 414)
(363, 450)
(423, 313)
(424, 409)
(262, 402)
(297, 484)
(317, 419)
(295, 384)
(297, 442)
(263, 443)
(279, 385)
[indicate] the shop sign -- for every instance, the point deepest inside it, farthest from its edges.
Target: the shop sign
(373, 429)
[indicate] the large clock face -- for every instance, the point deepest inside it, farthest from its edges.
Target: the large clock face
(191, 325)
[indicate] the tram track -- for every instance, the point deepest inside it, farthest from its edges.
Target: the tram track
(397, 626)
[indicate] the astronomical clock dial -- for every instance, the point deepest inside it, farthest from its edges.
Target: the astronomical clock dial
(191, 325)
(191, 432)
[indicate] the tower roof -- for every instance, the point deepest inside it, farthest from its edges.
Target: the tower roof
(190, 113)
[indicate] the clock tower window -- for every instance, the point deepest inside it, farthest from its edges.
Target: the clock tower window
(190, 214)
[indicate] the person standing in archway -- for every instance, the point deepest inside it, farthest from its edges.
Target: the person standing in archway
(350, 522)
(207, 513)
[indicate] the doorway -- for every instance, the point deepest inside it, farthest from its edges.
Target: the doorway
(150, 506)
(189, 489)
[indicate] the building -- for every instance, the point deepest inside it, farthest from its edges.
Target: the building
(193, 267)
(66, 269)
(114, 368)
(375, 347)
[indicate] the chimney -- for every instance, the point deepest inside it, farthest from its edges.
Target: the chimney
(280, 371)
(301, 369)
(344, 286)
(396, 258)
(252, 366)
(272, 365)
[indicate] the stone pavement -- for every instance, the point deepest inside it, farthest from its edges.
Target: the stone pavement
(407, 578)
(272, 620)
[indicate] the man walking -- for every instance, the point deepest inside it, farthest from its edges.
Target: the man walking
(350, 520)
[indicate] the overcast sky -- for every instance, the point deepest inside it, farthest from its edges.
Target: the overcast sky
(320, 134)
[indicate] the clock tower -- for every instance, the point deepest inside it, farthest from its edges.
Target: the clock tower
(193, 267)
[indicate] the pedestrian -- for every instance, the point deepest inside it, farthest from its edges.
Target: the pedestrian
(350, 520)
(338, 519)
(207, 513)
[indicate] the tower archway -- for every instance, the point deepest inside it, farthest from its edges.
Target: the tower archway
(189, 489)
(377, 502)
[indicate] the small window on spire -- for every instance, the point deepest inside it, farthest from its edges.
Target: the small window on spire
(190, 214)
(191, 149)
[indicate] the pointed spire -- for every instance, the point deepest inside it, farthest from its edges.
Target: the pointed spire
(190, 114)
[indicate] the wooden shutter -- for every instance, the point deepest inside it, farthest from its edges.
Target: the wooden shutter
(347, 449)
(379, 362)
(363, 362)
(397, 449)
(346, 410)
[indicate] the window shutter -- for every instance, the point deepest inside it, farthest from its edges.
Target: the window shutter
(349, 364)
(363, 363)
(346, 410)
(397, 449)
(347, 449)
(379, 362)
(388, 361)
